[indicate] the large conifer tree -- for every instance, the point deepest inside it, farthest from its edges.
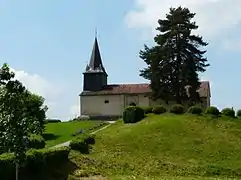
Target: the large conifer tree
(176, 60)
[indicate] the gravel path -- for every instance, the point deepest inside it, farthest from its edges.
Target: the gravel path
(68, 142)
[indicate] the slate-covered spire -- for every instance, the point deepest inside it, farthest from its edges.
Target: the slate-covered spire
(95, 76)
(95, 64)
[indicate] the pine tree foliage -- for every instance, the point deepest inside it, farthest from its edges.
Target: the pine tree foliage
(174, 63)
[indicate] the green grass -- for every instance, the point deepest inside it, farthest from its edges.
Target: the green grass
(165, 147)
(56, 133)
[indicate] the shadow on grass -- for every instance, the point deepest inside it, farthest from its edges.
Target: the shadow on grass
(50, 136)
(54, 173)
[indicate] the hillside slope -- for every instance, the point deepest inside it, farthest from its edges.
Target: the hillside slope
(166, 145)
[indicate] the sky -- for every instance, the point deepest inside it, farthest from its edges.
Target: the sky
(48, 44)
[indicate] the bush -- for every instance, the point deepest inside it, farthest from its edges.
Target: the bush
(195, 110)
(80, 146)
(228, 112)
(147, 110)
(239, 113)
(212, 111)
(36, 160)
(159, 109)
(177, 109)
(36, 142)
(7, 166)
(80, 118)
(83, 143)
(46, 159)
(80, 131)
(98, 126)
(52, 121)
(133, 114)
(88, 138)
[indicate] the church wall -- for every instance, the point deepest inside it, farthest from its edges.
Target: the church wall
(105, 105)
(114, 105)
(98, 105)
(139, 100)
(144, 101)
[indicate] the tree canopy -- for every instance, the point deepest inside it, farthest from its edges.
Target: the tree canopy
(21, 114)
(174, 63)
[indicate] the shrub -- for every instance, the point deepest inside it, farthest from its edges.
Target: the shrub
(228, 112)
(195, 110)
(239, 113)
(177, 109)
(88, 138)
(7, 166)
(36, 160)
(212, 111)
(44, 159)
(80, 131)
(36, 142)
(133, 114)
(83, 143)
(80, 146)
(159, 109)
(52, 121)
(82, 117)
(147, 110)
(98, 126)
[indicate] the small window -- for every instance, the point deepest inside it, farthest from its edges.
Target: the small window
(106, 101)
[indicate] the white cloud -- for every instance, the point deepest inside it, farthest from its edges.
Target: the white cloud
(38, 85)
(214, 17)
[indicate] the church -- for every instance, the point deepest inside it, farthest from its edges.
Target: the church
(99, 98)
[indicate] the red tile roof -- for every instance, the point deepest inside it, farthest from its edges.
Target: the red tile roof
(138, 89)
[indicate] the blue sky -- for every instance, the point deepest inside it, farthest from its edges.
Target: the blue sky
(48, 43)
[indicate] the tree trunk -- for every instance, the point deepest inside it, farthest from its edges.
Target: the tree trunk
(17, 169)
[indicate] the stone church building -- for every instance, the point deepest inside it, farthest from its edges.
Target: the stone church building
(99, 98)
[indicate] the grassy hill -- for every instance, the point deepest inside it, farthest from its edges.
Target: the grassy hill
(163, 147)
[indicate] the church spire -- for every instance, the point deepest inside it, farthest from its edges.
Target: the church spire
(95, 76)
(95, 64)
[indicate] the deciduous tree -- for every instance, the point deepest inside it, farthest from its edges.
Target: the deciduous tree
(21, 113)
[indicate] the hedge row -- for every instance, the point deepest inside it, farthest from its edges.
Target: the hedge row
(52, 121)
(33, 142)
(83, 143)
(97, 126)
(177, 109)
(36, 161)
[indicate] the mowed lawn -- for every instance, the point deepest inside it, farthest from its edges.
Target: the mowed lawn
(166, 147)
(56, 133)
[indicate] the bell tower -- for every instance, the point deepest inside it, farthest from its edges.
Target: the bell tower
(95, 76)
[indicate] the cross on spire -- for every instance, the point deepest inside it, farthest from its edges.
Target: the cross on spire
(96, 32)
